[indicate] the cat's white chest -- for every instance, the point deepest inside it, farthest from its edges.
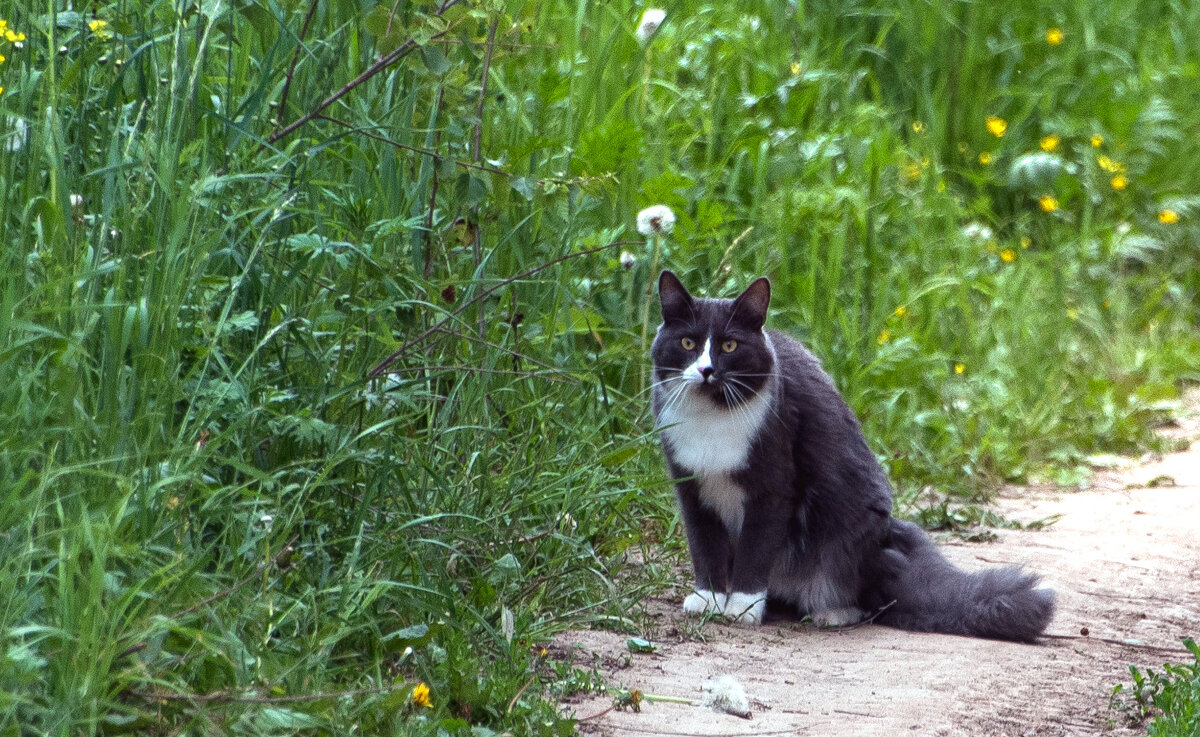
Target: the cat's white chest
(708, 440)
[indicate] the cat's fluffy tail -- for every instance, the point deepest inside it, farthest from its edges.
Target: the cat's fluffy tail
(931, 595)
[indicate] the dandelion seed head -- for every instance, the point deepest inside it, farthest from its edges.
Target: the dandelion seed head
(656, 220)
(651, 20)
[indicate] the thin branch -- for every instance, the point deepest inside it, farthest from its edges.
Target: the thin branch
(383, 365)
(287, 548)
(228, 697)
(509, 372)
(382, 63)
(476, 148)
(287, 84)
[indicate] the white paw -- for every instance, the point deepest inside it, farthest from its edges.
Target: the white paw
(703, 601)
(838, 617)
(746, 608)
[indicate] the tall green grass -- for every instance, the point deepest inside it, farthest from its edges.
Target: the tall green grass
(217, 517)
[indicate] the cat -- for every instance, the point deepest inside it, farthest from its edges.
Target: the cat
(781, 497)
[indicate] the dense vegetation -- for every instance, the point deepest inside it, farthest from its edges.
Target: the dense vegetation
(324, 324)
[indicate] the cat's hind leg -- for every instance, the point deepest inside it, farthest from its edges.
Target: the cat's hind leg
(837, 617)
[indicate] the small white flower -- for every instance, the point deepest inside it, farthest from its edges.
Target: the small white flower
(76, 200)
(627, 260)
(1124, 228)
(975, 231)
(266, 522)
(656, 220)
(651, 20)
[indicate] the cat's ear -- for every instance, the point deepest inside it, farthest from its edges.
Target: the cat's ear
(750, 308)
(676, 302)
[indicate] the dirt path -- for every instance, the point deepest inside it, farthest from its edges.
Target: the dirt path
(1124, 558)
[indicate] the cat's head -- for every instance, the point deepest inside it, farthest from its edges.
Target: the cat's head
(714, 347)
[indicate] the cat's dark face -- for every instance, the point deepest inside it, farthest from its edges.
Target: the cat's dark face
(714, 347)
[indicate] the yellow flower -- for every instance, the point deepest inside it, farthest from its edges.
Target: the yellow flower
(1072, 313)
(1026, 241)
(1119, 182)
(100, 28)
(985, 157)
(420, 695)
(884, 336)
(1110, 166)
(1097, 140)
(918, 126)
(996, 125)
(901, 311)
(1008, 255)
(2, 59)
(960, 367)
(912, 170)
(795, 68)
(1054, 36)
(1049, 143)
(1, 90)
(1168, 217)
(1048, 203)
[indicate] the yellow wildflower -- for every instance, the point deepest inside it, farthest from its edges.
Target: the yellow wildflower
(1054, 36)
(100, 28)
(1048, 203)
(1, 90)
(985, 157)
(795, 68)
(901, 311)
(912, 170)
(1110, 166)
(1026, 241)
(884, 336)
(1072, 313)
(1097, 140)
(996, 125)
(918, 126)
(420, 695)
(2, 59)
(1008, 255)
(1168, 216)
(1049, 143)
(960, 367)
(1119, 182)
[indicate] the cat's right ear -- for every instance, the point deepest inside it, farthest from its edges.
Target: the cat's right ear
(674, 297)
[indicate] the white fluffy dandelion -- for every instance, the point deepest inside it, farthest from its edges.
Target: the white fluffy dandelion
(656, 220)
(651, 20)
(627, 260)
(727, 694)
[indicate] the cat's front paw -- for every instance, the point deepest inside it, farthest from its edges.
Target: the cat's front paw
(747, 608)
(838, 617)
(703, 601)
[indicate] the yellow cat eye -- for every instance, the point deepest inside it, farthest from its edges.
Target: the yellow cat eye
(729, 346)
(687, 343)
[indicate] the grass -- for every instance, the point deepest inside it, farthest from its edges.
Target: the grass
(220, 219)
(1169, 700)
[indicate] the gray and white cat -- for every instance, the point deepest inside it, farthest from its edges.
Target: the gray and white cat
(782, 498)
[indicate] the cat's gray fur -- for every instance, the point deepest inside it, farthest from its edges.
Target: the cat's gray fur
(781, 496)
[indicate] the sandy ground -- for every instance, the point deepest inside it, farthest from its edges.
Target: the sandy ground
(1124, 557)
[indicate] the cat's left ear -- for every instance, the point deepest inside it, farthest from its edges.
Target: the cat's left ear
(750, 308)
(676, 302)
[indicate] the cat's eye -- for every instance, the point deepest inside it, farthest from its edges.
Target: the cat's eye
(729, 346)
(687, 343)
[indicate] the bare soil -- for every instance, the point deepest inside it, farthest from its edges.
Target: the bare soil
(1124, 557)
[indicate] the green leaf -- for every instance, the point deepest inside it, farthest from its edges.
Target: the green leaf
(435, 60)
(526, 186)
(638, 645)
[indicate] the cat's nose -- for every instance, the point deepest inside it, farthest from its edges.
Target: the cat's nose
(706, 372)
